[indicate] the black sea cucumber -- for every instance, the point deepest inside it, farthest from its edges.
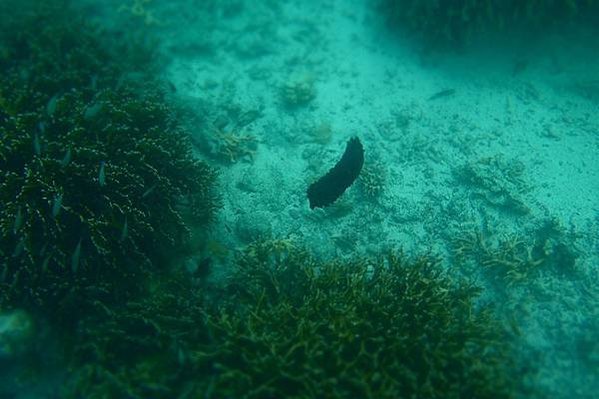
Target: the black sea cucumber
(329, 187)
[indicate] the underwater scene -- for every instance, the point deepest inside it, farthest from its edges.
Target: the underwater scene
(270, 199)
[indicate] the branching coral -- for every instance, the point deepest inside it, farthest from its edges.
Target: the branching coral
(140, 349)
(371, 329)
(94, 172)
(289, 326)
(507, 261)
(511, 260)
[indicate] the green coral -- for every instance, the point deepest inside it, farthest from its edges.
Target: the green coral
(97, 175)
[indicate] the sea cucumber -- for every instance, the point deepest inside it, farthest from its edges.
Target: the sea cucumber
(329, 187)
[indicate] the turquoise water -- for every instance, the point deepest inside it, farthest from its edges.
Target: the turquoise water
(480, 149)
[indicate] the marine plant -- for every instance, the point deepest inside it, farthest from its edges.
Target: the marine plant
(96, 173)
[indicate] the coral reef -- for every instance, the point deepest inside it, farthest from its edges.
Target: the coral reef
(498, 182)
(511, 260)
(140, 349)
(372, 179)
(385, 328)
(321, 133)
(97, 175)
(457, 22)
(287, 325)
(232, 147)
(228, 138)
(298, 92)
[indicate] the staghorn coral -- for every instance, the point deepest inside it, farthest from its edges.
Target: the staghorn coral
(97, 175)
(287, 325)
(506, 261)
(385, 328)
(139, 349)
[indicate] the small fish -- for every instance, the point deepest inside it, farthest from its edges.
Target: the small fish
(18, 221)
(102, 174)
(41, 127)
(56, 205)
(67, 158)
(75, 257)
(171, 86)
(45, 263)
(120, 82)
(91, 111)
(37, 147)
(247, 117)
(52, 104)
(442, 93)
(203, 268)
(43, 250)
(19, 248)
(124, 231)
(148, 191)
(519, 67)
(94, 82)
